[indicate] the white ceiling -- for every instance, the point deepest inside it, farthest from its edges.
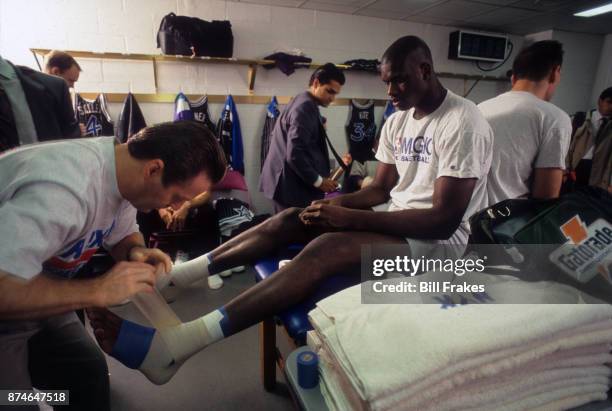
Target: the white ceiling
(512, 16)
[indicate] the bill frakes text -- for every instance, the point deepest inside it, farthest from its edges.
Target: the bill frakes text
(427, 287)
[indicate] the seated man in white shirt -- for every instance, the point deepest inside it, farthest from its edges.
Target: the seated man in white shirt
(530, 135)
(434, 157)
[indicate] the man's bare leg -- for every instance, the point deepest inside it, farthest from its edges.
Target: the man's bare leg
(164, 351)
(259, 241)
(325, 256)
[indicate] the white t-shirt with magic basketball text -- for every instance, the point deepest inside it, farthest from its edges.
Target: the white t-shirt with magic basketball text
(455, 141)
(59, 202)
(528, 133)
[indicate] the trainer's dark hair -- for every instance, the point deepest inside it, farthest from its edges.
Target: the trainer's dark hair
(61, 60)
(327, 73)
(536, 61)
(396, 53)
(606, 94)
(187, 148)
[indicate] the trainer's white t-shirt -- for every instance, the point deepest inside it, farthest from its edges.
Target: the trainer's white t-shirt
(59, 202)
(455, 141)
(528, 133)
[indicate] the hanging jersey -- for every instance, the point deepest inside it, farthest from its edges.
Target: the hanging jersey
(231, 213)
(131, 120)
(182, 109)
(389, 109)
(361, 130)
(229, 135)
(201, 114)
(272, 113)
(93, 114)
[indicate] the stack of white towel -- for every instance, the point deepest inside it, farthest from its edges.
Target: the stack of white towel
(475, 356)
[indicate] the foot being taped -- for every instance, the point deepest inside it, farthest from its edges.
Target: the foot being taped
(144, 349)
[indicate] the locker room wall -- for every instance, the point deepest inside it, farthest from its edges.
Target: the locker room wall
(131, 25)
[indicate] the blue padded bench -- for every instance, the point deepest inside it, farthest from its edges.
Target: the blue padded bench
(295, 319)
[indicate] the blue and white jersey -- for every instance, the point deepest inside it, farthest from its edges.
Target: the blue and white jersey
(360, 130)
(93, 114)
(182, 108)
(230, 135)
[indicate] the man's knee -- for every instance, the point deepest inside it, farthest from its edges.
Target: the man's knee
(283, 220)
(336, 246)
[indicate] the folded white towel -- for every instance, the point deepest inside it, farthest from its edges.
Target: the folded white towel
(393, 353)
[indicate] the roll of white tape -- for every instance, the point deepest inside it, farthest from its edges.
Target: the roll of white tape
(283, 263)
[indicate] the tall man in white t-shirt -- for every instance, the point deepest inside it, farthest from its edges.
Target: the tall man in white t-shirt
(434, 157)
(60, 202)
(531, 135)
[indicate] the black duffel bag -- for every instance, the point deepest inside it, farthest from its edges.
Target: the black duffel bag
(182, 35)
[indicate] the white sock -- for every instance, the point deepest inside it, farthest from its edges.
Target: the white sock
(215, 282)
(190, 271)
(172, 346)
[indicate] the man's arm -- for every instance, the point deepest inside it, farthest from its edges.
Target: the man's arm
(67, 120)
(44, 295)
(450, 200)
(179, 217)
(121, 250)
(132, 248)
(546, 183)
(302, 139)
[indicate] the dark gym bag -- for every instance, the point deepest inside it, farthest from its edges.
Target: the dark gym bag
(567, 240)
(183, 35)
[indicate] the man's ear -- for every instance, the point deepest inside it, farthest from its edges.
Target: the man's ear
(55, 71)
(153, 168)
(426, 71)
(555, 73)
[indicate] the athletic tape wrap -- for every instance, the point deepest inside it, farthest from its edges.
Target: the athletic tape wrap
(224, 323)
(132, 344)
(308, 369)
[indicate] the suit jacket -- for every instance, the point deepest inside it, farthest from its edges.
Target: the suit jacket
(601, 169)
(297, 156)
(49, 102)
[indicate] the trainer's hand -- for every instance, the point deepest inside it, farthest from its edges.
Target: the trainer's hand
(123, 281)
(152, 256)
(328, 216)
(328, 185)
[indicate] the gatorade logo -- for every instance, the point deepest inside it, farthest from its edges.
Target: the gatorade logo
(588, 251)
(574, 230)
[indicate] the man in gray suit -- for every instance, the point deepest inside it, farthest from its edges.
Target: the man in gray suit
(297, 167)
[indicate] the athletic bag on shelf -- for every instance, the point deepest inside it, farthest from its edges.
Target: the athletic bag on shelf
(187, 36)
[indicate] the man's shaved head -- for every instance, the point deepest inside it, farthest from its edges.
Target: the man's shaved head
(406, 46)
(407, 69)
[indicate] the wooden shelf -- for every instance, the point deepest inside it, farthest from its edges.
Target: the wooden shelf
(154, 58)
(212, 98)
(251, 65)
